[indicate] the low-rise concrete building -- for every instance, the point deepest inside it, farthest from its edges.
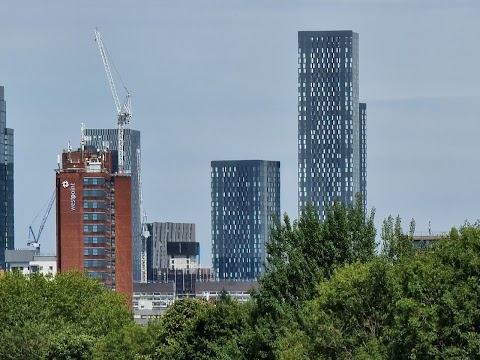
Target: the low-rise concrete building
(238, 290)
(152, 300)
(421, 242)
(29, 262)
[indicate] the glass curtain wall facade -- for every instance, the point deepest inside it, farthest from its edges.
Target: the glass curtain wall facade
(6, 183)
(108, 139)
(245, 200)
(363, 153)
(331, 122)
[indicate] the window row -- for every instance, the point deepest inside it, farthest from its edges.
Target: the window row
(93, 181)
(100, 275)
(94, 251)
(94, 193)
(95, 263)
(94, 216)
(94, 205)
(94, 240)
(94, 228)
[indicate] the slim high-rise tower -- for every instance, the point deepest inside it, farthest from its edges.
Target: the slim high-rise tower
(6, 183)
(245, 200)
(108, 139)
(331, 121)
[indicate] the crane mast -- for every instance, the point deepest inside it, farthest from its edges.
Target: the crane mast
(145, 233)
(124, 112)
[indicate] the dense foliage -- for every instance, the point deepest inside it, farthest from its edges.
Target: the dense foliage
(326, 294)
(59, 318)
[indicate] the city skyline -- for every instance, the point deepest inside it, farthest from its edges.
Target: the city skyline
(195, 101)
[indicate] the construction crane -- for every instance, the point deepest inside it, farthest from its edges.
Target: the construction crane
(33, 240)
(124, 112)
(145, 233)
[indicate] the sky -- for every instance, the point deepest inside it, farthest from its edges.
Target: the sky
(217, 80)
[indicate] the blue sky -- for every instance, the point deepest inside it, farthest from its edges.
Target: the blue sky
(214, 80)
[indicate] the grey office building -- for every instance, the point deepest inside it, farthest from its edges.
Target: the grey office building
(172, 246)
(6, 183)
(331, 121)
(245, 199)
(108, 138)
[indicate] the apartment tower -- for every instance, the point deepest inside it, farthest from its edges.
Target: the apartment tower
(245, 200)
(94, 218)
(331, 121)
(6, 183)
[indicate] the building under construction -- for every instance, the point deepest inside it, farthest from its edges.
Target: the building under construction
(94, 218)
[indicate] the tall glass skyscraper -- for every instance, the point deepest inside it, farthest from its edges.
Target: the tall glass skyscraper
(108, 138)
(331, 121)
(6, 183)
(245, 200)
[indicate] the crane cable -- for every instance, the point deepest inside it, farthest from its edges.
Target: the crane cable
(116, 71)
(43, 208)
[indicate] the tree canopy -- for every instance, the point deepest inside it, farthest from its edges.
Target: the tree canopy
(325, 294)
(59, 318)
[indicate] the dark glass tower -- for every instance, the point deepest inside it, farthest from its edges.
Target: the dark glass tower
(331, 121)
(6, 183)
(245, 200)
(363, 153)
(108, 138)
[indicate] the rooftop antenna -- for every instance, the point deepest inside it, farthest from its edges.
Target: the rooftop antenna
(82, 136)
(429, 227)
(69, 150)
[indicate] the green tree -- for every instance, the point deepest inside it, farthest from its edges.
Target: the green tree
(397, 245)
(293, 343)
(26, 341)
(59, 318)
(176, 327)
(219, 332)
(299, 256)
(437, 313)
(193, 329)
(348, 316)
(69, 344)
(23, 299)
(301, 253)
(95, 310)
(130, 342)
